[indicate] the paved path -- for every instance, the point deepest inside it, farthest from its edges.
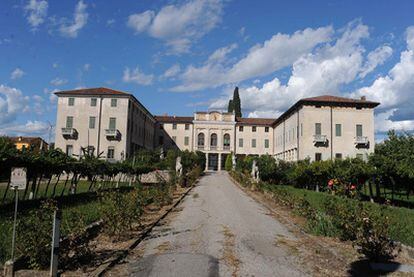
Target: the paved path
(220, 231)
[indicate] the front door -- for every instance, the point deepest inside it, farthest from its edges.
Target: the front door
(213, 162)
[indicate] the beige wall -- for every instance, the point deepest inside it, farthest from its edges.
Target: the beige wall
(141, 134)
(260, 136)
(180, 134)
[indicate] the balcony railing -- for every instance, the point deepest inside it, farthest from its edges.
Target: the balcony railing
(213, 147)
(69, 132)
(200, 147)
(112, 134)
(226, 147)
(361, 140)
(320, 139)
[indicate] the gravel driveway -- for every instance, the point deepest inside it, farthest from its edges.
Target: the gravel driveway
(217, 231)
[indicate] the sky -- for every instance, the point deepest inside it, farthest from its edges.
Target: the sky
(178, 57)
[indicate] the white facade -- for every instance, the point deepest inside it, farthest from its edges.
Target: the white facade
(111, 124)
(115, 125)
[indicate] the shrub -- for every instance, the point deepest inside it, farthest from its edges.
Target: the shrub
(34, 235)
(229, 162)
(373, 237)
(119, 211)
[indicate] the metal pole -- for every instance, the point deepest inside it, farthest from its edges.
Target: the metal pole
(16, 193)
(55, 243)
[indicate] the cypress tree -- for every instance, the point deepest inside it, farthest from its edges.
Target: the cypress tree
(236, 102)
(230, 108)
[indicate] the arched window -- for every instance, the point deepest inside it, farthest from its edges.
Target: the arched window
(226, 141)
(213, 141)
(200, 141)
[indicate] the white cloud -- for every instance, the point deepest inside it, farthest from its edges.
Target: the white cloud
(172, 71)
(12, 102)
(35, 127)
(58, 81)
(179, 25)
(86, 67)
(375, 58)
(110, 22)
(383, 123)
(395, 88)
(71, 29)
(17, 74)
(322, 71)
(55, 65)
(52, 96)
(279, 51)
(37, 12)
(137, 76)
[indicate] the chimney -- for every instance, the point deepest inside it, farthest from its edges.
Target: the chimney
(363, 98)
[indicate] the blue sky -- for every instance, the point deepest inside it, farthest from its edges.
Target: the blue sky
(180, 56)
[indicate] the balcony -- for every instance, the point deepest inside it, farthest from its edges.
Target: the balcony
(320, 139)
(213, 147)
(112, 134)
(69, 133)
(226, 147)
(200, 147)
(361, 141)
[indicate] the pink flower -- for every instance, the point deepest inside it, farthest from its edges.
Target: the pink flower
(353, 187)
(330, 183)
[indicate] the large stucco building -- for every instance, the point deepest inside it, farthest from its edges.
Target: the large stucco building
(115, 125)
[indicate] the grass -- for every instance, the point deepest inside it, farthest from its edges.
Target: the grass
(401, 219)
(70, 216)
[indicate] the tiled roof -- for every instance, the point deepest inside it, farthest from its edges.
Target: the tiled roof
(174, 119)
(26, 139)
(328, 100)
(255, 121)
(337, 99)
(92, 91)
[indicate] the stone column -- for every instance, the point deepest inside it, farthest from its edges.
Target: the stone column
(219, 162)
(206, 162)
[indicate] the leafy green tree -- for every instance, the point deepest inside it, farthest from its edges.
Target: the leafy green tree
(229, 162)
(230, 107)
(237, 102)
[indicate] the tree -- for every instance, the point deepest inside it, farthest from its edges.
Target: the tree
(236, 102)
(229, 162)
(230, 108)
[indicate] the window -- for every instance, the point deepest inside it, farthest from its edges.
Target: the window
(266, 129)
(186, 140)
(360, 156)
(111, 152)
(174, 138)
(213, 140)
(240, 142)
(266, 143)
(187, 126)
(359, 130)
(338, 156)
(338, 130)
(240, 128)
(71, 101)
(318, 128)
(93, 102)
(69, 150)
(318, 156)
(174, 126)
(253, 143)
(92, 120)
(200, 140)
(254, 128)
(69, 122)
(226, 141)
(112, 123)
(114, 102)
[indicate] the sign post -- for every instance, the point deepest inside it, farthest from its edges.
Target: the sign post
(18, 181)
(57, 217)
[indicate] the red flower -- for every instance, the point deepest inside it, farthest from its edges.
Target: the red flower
(330, 183)
(353, 187)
